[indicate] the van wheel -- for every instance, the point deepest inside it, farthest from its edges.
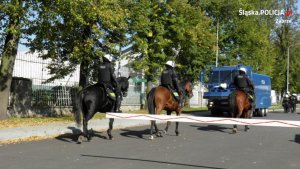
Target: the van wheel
(265, 112)
(260, 113)
(254, 113)
(213, 112)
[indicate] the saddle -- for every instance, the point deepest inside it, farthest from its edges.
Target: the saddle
(109, 91)
(249, 94)
(175, 94)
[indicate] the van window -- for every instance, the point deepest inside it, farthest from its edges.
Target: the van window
(222, 76)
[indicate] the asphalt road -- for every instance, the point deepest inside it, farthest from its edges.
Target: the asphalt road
(199, 146)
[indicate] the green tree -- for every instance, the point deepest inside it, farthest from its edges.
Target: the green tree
(77, 32)
(14, 15)
(190, 32)
(157, 28)
(242, 39)
(285, 35)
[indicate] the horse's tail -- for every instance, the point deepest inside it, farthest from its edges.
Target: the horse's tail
(151, 101)
(78, 108)
(232, 103)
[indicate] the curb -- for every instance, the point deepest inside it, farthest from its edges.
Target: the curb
(19, 134)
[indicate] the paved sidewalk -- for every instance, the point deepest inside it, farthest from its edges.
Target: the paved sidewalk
(60, 128)
(55, 129)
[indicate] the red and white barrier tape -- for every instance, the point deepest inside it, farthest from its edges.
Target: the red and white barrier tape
(208, 120)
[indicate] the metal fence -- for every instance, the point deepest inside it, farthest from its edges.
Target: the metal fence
(60, 93)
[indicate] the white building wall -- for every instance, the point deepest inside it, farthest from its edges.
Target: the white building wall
(31, 66)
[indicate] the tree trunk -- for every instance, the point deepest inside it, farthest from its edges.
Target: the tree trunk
(149, 87)
(83, 75)
(7, 63)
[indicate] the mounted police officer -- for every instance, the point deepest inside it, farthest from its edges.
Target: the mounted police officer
(169, 80)
(242, 82)
(293, 102)
(108, 79)
(286, 103)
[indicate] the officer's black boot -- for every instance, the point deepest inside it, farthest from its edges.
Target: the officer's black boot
(118, 104)
(180, 101)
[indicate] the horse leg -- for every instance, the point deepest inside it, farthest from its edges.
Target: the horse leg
(159, 108)
(151, 129)
(168, 123)
(167, 127)
(177, 124)
(247, 116)
(238, 115)
(85, 131)
(176, 129)
(91, 111)
(111, 123)
(158, 133)
(83, 134)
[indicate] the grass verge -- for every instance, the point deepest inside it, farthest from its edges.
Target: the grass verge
(38, 121)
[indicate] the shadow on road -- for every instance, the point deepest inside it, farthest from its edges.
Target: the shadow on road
(72, 137)
(150, 161)
(134, 133)
(69, 137)
(212, 128)
(202, 113)
(297, 138)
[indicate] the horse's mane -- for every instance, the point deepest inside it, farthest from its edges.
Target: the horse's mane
(183, 82)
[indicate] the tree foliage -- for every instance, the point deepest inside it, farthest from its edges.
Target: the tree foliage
(158, 28)
(76, 32)
(14, 15)
(72, 33)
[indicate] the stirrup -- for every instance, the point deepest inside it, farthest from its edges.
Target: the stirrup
(250, 97)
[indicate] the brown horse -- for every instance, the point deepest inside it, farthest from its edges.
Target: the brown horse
(161, 98)
(240, 107)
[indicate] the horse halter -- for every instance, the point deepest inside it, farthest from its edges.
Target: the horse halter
(124, 93)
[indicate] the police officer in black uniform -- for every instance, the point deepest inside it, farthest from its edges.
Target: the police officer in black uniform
(286, 103)
(169, 80)
(242, 82)
(108, 78)
(293, 102)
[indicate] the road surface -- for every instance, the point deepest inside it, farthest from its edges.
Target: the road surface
(199, 146)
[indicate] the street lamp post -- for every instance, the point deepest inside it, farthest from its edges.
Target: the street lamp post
(288, 67)
(217, 51)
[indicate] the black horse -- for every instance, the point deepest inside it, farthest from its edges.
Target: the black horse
(93, 99)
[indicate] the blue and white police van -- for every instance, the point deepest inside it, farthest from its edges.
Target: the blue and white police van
(220, 85)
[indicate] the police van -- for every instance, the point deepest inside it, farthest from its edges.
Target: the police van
(219, 85)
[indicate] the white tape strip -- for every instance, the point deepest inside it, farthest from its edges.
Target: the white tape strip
(208, 120)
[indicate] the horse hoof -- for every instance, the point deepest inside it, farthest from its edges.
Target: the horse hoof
(165, 132)
(151, 138)
(234, 131)
(158, 134)
(161, 133)
(92, 131)
(79, 140)
(247, 128)
(110, 137)
(177, 134)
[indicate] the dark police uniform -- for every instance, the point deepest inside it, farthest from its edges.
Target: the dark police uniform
(293, 102)
(169, 80)
(286, 104)
(242, 82)
(108, 78)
